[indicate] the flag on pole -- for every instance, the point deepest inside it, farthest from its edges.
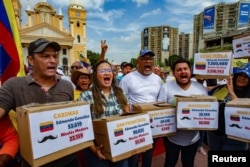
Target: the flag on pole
(85, 61)
(11, 58)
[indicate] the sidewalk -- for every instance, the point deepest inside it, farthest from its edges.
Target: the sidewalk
(200, 160)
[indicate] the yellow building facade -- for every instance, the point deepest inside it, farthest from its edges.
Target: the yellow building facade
(44, 21)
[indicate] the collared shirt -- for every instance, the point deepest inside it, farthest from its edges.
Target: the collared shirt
(19, 91)
(111, 107)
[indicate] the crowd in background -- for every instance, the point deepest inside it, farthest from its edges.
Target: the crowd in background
(110, 92)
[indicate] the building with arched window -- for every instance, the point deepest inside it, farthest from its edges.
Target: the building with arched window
(44, 21)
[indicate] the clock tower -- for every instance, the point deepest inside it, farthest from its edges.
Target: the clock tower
(77, 26)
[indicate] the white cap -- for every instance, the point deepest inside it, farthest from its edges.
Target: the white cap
(59, 71)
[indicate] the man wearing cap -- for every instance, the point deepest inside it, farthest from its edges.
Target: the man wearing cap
(142, 86)
(41, 86)
(126, 68)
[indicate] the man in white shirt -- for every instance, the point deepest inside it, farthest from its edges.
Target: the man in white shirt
(142, 86)
(184, 141)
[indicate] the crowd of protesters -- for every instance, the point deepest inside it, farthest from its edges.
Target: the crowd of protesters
(110, 93)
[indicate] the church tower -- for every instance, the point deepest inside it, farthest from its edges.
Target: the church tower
(77, 27)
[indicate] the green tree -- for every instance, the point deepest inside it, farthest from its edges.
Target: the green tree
(191, 60)
(93, 57)
(133, 61)
(173, 59)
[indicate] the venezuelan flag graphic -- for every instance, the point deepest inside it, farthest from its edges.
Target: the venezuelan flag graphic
(46, 126)
(11, 58)
(118, 132)
(185, 110)
(234, 117)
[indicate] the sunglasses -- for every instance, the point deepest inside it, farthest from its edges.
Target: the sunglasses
(76, 67)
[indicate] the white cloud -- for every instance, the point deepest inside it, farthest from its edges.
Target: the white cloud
(152, 13)
(140, 2)
(109, 16)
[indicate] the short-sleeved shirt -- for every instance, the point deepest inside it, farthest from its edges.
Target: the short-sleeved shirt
(140, 88)
(167, 94)
(111, 107)
(19, 91)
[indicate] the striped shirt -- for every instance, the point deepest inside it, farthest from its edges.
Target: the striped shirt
(111, 107)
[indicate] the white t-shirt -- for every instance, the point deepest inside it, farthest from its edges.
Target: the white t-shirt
(167, 93)
(140, 88)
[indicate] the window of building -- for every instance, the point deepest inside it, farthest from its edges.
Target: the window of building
(64, 51)
(78, 24)
(78, 39)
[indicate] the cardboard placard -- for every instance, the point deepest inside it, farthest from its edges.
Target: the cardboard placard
(123, 136)
(54, 130)
(241, 47)
(237, 118)
(197, 113)
(212, 65)
(162, 117)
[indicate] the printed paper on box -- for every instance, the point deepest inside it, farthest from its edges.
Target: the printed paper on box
(128, 134)
(197, 115)
(214, 64)
(57, 129)
(162, 121)
(237, 123)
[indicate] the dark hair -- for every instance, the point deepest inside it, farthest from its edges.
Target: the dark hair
(97, 107)
(181, 61)
(244, 92)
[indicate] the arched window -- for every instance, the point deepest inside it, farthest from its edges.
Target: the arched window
(78, 24)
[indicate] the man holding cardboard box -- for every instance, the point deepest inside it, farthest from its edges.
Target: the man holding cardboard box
(41, 86)
(142, 86)
(185, 141)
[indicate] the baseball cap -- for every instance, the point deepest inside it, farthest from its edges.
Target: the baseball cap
(145, 52)
(125, 64)
(244, 69)
(40, 44)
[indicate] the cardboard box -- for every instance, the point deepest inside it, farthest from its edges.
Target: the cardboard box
(51, 131)
(197, 112)
(123, 136)
(162, 117)
(237, 117)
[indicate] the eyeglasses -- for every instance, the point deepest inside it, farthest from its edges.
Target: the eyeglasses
(147, 59)
(76, 67)
(103, 70)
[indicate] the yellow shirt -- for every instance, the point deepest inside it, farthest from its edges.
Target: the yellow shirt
(77, 94)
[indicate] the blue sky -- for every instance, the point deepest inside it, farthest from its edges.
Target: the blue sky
(120, 22)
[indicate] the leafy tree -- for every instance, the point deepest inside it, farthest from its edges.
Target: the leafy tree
(191, 60)
(173, 59)
(134, 61)
(93, 57)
